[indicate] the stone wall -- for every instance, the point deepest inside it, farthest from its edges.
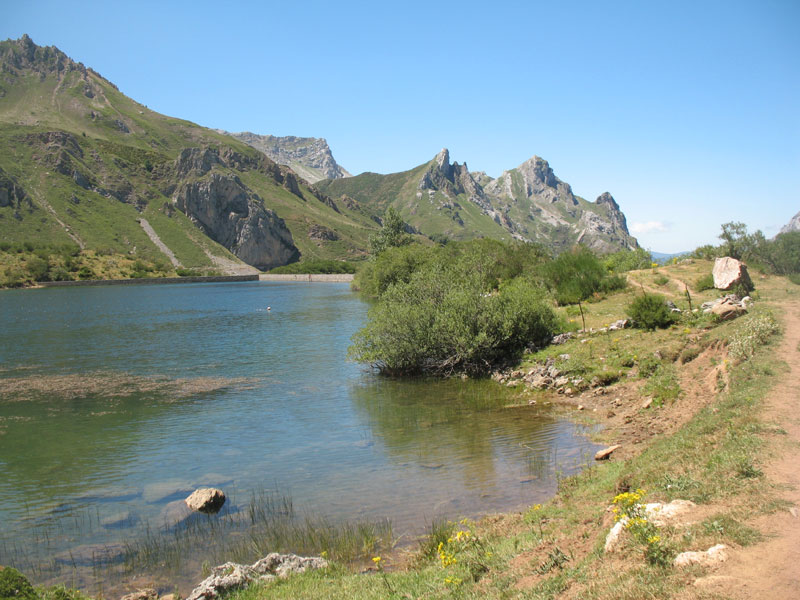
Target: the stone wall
(149, 280)
(314, 277)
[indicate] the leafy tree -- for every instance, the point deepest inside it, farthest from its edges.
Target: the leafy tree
(392, 233)
(627, 260)
(575, 276)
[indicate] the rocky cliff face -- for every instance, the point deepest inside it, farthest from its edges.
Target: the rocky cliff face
(792, 225)
(311, 158)
(230, 213)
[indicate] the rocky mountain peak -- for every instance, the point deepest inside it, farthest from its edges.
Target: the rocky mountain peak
(538, 174)
(443, 161)
(608, 199)
(311, 158)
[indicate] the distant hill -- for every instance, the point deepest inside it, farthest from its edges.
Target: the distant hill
(81, 162)
(662, 258)
(311, 158)
(525, 203)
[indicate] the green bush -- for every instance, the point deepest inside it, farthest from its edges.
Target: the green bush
(316, 266)
(706, 282)
(444, 320)
(15, 586)
(650, 311)
(577, 276)
(627, 260)
(38, 268)
(660, 279)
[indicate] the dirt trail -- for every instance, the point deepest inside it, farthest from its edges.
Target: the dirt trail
(151, 233)
(771, 569)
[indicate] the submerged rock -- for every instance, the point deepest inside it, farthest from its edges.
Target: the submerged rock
(206, 500)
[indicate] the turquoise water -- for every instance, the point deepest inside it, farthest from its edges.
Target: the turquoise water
(117, 401)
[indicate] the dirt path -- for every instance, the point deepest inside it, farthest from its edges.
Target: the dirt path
(148, 229)
(771, 569)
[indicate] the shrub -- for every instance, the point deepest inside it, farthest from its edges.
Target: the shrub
(650, 311)
(15, 586)
(663, 385)
(751, 332)
(316, 266)
(627, 260)
(38, 268)
(577, 276)
(393, 265)
(443, 320)
(706, 282)
(660, 279)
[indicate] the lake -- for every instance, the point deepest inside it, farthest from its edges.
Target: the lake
(116, 402)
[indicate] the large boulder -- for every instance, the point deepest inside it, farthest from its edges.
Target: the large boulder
(729, 272)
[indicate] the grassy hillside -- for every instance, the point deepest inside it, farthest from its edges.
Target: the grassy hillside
(85, 163)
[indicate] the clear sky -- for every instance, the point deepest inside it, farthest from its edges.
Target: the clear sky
(687, 112)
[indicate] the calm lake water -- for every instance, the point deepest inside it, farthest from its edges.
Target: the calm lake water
(119, 401)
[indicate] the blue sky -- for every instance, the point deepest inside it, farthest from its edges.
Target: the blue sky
(687, 112)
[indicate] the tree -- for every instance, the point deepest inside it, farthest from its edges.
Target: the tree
(735, 240)
(575, 276)
(392, 233)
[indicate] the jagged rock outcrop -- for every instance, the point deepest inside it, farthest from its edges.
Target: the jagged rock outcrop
(11, 193)
(234, 216)
(320, 234)
(450, 179)
(792, 225)
(311, 158)
(537, 181)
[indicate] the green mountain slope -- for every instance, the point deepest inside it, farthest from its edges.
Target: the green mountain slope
(81, 162)
(526, 203)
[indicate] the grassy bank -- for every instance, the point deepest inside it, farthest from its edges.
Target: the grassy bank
(704, 443)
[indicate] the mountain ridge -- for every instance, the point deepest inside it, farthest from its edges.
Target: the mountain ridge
(81, 162)
(526, 203)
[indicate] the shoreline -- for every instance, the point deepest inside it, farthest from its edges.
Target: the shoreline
(294, 277)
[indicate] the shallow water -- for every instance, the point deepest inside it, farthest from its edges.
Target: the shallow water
(117, 401)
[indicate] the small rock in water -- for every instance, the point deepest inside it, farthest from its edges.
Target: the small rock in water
(206, 500)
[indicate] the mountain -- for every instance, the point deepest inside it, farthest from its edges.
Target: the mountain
(81, 162)
(526, 203)
(311, 158)
(664, 257)
(792, 225)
